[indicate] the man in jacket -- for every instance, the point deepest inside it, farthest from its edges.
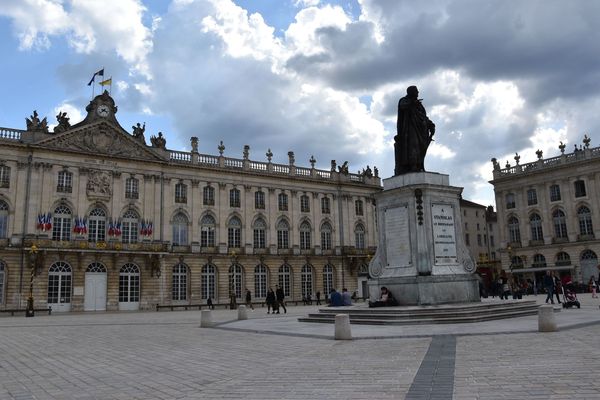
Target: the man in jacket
(280, 298)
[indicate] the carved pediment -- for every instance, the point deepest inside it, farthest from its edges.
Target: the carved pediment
(101, 139)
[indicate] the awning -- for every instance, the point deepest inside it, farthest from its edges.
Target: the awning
(538, 269)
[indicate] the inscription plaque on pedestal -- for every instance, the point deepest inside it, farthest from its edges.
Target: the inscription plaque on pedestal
(397, 237)
(444, 239)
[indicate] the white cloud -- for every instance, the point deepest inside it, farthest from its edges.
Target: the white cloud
(306, 3)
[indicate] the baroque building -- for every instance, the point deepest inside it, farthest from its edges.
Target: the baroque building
(549, 213)
(94, 218)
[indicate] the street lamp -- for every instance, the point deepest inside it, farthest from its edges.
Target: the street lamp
(232, 298)
(30, 312)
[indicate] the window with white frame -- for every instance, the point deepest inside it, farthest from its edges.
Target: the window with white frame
(327, 278)
(326, 236)
(59, 283)
(284, 280)
(65, 182)
(358, 207)
(181, 193)
(259, 200)
(4, 176)
(234, 232)
(283, 234)
(532, 197)
(3, 220)
(130, 227)
(208, 282)
(208, 196)
(129, 283)
(305, 235)
(260, 229)
(325, 205)
(304, 203)
(179, 282)
(234, 198)
(61, 224)
(260, 281)
(514, 232)
(359, 236)
(560, 224)
(535, 222)
(554, 193)
(207, 231)
(306, 280)
(236, 280)
(132, 188)
(97, 225)
(180, 230)
(282, 201)
(585, 221)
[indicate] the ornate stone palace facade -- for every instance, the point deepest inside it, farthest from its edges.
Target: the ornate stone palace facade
(93, 218)
(549, 213)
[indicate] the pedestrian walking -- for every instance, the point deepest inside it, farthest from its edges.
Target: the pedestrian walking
(318, 294)
(557, 287)
(209, 303)
(249, 299)
(270, 300)
(280, 296)
(592, 285)
(549, 286)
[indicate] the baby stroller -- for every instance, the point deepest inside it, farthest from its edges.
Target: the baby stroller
(570, 297)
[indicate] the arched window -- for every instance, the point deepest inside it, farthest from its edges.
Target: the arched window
(129, 286)
(96, 267)
(208, 196)
(179, 282)
(180, 230)
(359, 236)
(2, 280)
(285, 279)
(535, 221)
(260, 229)
(208, 284)
(130, 227)
(181, 193)
(61, 227)
(283, 234)
(516, 262)
(306, 280)
(207, 231)
(97, 225)
(304, 203)
(326, 236)
(304, 236)
(563, 258)
(282, 201)
(560, 224)
(585, 221)
(236, 280)
(59, 284)
(234, 198)
(514, 233)
(539, 261)
(327, 279)
(260, 281)
(234, 232)
(3, 220)
(132, 190)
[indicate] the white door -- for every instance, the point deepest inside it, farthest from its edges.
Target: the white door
(59, 287)
(95, 291)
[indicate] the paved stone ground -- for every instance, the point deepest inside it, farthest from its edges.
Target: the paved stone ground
(165, 355)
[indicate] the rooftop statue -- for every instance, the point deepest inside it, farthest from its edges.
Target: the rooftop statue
(138, 131)
(158, 141)
(34, 123)
(414, 133)
(63, 122)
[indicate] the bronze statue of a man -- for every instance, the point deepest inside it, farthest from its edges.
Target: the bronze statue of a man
(415, 132)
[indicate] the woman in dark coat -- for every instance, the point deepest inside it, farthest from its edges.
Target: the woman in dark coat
(271, 301)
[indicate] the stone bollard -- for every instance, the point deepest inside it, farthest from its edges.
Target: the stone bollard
(546, 322)
(242, 312)
(342, 327)
(206, 319)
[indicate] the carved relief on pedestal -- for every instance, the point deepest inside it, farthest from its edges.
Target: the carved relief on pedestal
(99, 184)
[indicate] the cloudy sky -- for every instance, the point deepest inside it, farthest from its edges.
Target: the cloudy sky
(320, 78)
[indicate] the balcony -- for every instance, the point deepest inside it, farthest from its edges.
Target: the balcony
(64, 189)
(132, 195)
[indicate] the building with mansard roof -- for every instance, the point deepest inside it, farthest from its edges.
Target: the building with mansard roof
(95, 218)
(549, 213)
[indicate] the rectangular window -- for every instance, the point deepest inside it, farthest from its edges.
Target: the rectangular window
(304, 240)
(466, 226)
(510, 201)
(467, 242)
(207, 236)
(325, 208)
(358, 207)
(554, 193)
(180, 193)
(259, 200)
(132, 188)
(579, 188)
(4, 176)
(283, 202)
(208, 196)
(65, 182)
(479, 239)
(492, 241)
(234, 198)
(304, 204)
(477, 226)
(485, 239)
(259, 238)
(532, 197)
(234, 237)
(283, 239)
(325, 240)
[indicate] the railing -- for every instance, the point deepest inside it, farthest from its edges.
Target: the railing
(302, 171)
(8, 133)
(234, 163)
(258, 166)
(324, 174)
(281, 169)
(206, 159)
(180, 156)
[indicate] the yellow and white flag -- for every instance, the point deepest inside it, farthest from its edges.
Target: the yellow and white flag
(106, 82)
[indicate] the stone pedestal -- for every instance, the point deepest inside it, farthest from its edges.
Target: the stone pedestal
(342, 327)
(206, 319)
(421, 255)
(242, 312)
(546, 321)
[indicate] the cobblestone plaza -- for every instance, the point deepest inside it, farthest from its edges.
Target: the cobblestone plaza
(165, 355)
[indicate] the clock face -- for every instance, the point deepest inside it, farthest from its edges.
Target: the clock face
(103, 110)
